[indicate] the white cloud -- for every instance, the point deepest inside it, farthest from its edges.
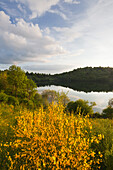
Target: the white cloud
(99, 32)
(68, 34)
(22, 9)
(38, 7)
(72, 1)
(93, 32)
(10, 10)
(58, 13)
(16, 41)
(48, 68)
(25, 42)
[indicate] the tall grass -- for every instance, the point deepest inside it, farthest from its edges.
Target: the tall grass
(105, 127)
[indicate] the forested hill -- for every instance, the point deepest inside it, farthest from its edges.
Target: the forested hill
(82, 79)
(89, 74)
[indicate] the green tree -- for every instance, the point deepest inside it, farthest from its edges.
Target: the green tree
(17, 80)
(12, 100)
(110, 103)
(53, 96)
(16, 88)
(3, 81)
(38, 101)
(3, 97)
(50, 95)
(108, 112)
(19, 84)
(81, 106)
(31, 88)
(63, 98)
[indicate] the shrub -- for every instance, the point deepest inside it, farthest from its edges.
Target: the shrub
(108, 112)
(13, 100)
(38, 100)
(52, 140)
(3, 97)
(80, 105)
(28, 103)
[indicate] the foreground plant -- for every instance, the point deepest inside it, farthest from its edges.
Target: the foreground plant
(52, 140)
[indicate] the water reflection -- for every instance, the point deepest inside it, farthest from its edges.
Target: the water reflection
(101, 98)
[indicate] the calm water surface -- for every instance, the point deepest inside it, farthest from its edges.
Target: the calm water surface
(100, 98)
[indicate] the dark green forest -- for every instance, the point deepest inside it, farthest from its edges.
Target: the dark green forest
(82, 79)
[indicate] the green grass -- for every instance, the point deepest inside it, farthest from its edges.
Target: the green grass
(105, 127)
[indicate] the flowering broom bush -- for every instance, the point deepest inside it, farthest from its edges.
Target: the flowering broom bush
(49, 139)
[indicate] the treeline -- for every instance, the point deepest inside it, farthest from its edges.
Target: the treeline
(88, 74)
(82, 79)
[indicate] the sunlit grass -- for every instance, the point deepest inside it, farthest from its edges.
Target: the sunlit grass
(105, 127)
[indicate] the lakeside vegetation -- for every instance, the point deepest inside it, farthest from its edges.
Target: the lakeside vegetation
(48, 131)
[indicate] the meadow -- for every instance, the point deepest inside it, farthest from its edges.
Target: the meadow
(52, 139)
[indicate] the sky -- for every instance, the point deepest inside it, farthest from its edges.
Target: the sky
(54, 36)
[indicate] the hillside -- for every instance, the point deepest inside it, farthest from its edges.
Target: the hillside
(82, 79)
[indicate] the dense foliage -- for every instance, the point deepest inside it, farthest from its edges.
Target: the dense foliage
(16, 88)
(80, 106)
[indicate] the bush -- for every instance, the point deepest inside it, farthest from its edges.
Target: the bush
(52, 140)
(3, 97)
(80, 106)
(108, 112)
(38, 100)
(13, 100)
(28, 103)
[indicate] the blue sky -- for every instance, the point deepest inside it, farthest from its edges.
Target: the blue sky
(53, 36)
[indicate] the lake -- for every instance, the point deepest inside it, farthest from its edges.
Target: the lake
(100, 98)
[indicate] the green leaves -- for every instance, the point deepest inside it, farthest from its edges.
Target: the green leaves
(16, 86)
(80, 106)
